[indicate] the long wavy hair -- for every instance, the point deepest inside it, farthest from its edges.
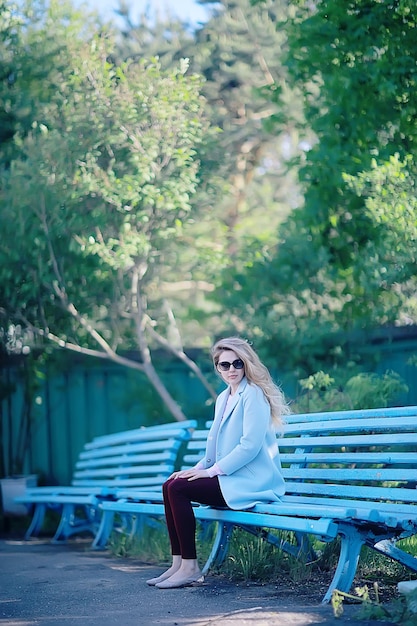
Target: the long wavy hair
(257, 373)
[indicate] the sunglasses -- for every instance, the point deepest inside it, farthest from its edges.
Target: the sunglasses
(224, 366)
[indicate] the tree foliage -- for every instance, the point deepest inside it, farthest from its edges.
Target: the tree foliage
(356, 67)
(95, 198)
(345, 259)
(240, 52)
(123, 207)
(247, 187)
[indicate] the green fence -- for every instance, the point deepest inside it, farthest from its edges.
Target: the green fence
(78, 399)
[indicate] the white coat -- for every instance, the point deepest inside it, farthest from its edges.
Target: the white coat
(243, 443)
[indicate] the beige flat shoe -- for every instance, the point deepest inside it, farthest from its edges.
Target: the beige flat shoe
(158, 579)
(182, 582)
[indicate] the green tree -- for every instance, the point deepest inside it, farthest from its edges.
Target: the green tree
(9, 30)
(236, 52)
(355, 66)
(95, 199)
(247, 186)
(32, 59)
(345, 259)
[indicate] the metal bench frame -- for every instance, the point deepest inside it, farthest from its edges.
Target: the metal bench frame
(349, 474)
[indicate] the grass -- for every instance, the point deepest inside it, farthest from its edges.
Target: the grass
(251, 558)
(398, 611)
(151, 545)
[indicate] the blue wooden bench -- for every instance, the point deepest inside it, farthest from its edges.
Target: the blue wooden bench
(141, 458)
(350, 475)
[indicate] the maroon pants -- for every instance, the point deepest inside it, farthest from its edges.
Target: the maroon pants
(179, 493)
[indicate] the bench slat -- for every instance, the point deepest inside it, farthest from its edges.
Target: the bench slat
(345, 474)
(127, 459)
(145, 433)
(347, 457)
(124, 470)
(333, 416)
(388, 507)
(352, 440)
(118, 483)
(378, 494)
(387, 424)
(322, 527)
(141, 458)
(155, 445)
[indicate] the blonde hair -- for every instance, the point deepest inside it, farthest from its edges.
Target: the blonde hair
(257, 373)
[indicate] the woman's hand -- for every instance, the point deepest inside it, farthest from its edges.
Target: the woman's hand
(191, 474)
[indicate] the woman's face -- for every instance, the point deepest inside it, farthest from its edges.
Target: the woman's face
(230, 368)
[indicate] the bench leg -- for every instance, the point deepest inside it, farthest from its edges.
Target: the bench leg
(134, 525)
(224, 533)
(37, 521)
(140, 522)
(388, 548)
(71, 525)
(301, 549)
(130, 525)
(104, 531)
(220, 546)
(352, 541)
(351, 545)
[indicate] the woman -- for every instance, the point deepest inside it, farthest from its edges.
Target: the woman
(241, 464)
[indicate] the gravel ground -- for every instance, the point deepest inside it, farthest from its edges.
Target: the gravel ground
(68, 585)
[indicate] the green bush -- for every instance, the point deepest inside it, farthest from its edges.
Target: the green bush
(322, 392)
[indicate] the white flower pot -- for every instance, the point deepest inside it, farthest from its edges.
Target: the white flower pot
(14, 486)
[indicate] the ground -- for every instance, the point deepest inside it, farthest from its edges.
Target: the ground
(307, 592)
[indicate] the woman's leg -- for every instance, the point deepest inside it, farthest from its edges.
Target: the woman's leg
(179, 493)
(169, 518)
(175, 549)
